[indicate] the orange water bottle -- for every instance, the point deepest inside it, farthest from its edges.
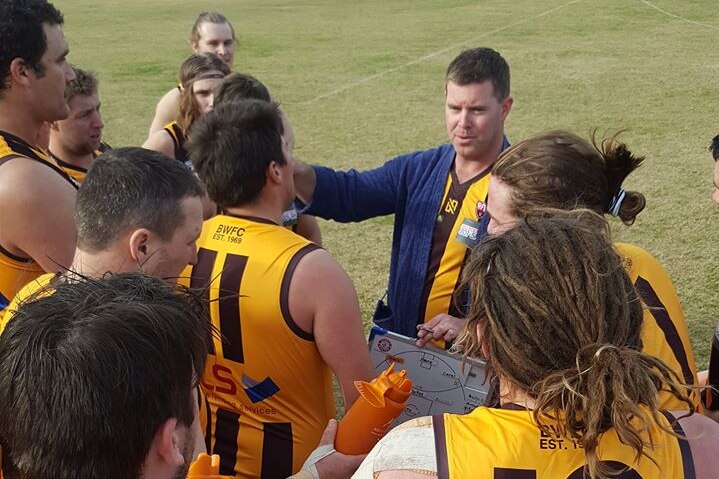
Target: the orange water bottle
(380, 402)
(206, 467)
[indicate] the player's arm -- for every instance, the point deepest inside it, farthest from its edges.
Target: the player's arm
(323, 300)
(307, 227)
(36, 214)
(166, 110)
(161, 142)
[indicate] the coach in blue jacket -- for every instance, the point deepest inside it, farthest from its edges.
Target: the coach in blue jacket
(437, 195)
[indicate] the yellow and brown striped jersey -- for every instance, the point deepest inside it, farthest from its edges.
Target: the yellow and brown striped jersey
(507, 443)
(178, 139)
(16, 271)
(78, 172)
(32, 288)
(664, 330)
(267, 390)
(457, 229)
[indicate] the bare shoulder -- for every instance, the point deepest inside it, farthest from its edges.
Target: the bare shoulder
(161, 142)
(24, 180)
(166, 110)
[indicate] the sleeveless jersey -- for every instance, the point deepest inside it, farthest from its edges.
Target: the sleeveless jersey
(507, 444)
(27, 291)
(267, 390)
(16, 271)
(78, 172)
(178, 139)
(664, 330)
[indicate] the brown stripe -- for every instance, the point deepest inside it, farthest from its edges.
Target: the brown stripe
(440, 446)
(684, 447)
(277, 450)
(23, 149)
(227, 430)
(230, 322)
(285, 292)
(201, 276)
(19, 259)
(665, 323)
(440, 237)
(67, 165)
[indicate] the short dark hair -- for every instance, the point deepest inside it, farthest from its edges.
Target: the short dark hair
(22, 35)
(85, 84)
(240, 86)
(131, 188)
(232, 146)
(208, 17)
(477, 65)
(714, 148)
(95, 364)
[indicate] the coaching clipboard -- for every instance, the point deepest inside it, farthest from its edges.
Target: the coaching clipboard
(441, 384)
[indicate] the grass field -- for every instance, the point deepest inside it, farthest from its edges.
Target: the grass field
(362, 81)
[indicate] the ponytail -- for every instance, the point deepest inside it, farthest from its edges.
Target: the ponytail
(619, 163)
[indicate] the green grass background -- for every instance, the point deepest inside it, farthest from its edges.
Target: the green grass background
(362, 82)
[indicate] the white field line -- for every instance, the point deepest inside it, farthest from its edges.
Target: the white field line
(670, 14)
(366, 79)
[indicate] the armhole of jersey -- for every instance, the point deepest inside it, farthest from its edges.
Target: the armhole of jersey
(684, 447)
(3, 250)
(285, 293)
(440, 446)
(13, 257)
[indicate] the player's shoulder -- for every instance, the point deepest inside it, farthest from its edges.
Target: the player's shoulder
(24, 178)
(640, 262)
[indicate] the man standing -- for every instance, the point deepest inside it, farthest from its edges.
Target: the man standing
(37, 197)
(76, 141)
(286, 310)
(211, 33)
(437, 195)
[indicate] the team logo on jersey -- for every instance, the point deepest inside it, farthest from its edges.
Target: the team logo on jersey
(481, 209)
(259, 390)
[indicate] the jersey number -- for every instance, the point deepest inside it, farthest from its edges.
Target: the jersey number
(507, 473)
(277, 437)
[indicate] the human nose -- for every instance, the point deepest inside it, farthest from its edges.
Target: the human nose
(69, 73)
(464, 118)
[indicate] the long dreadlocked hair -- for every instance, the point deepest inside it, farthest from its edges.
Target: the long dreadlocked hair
(560, 320)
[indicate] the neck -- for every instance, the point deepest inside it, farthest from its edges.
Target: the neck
(67, 156)
(263, 207)
(509, 393)
(18, 121)
(95, 265)
(254, 212)
(467, 168)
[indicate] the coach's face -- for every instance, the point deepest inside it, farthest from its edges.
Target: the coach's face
(475, 119)
(48, 86)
